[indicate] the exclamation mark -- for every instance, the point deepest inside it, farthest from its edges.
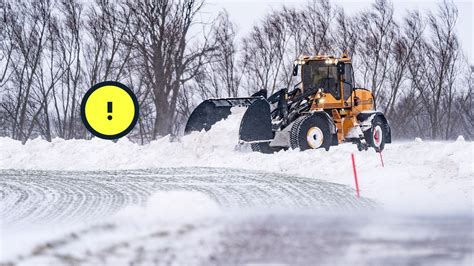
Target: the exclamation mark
(109, 110)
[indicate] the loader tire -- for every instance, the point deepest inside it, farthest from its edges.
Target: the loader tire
(375, 136)
(263, 147)
(310, 132)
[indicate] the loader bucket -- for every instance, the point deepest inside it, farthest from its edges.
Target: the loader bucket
(212, 111)
(256, 124)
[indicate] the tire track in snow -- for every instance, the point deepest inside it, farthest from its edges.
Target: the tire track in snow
(65, 196)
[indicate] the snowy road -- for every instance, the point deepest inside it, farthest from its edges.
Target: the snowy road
(220, 216)
(320, 239)
(67, 196)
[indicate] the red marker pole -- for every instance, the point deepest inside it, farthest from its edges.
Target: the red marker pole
(355, 175)
(381, 159)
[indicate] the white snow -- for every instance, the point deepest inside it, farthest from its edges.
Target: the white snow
(170, 207)
(418, 175)
(167, 214)
(175, 222)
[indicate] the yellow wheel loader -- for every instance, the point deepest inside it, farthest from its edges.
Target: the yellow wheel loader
(324, 109)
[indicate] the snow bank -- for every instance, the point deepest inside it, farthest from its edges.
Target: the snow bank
(419, 174)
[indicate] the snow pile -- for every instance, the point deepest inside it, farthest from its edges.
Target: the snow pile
(419, 175)
(170, 227)
(170, 207)
(175, 222)
(222, 137)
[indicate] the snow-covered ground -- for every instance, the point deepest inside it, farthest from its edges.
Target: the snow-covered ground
(418, 175)
(66, 216)
(196, 200)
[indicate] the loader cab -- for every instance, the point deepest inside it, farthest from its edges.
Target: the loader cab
(327, 73)
(319, 74)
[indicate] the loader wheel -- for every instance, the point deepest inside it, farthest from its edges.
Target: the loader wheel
(375, 136)
(263, 147)
(310, 132)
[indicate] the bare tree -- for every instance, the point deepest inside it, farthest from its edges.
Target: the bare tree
(346, 33)
(317, 19)
(222, 76)
(378, 33)
(399, 58)
(6, 45)
(264, 51)
(109, 50)
(166, 58)
(26, 26)
(282, 36)
(433, 69)
(51, 51)
(66, 94)
(464, 107)
(48, 75)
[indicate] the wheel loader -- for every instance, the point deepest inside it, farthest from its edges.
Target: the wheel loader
(324, 109)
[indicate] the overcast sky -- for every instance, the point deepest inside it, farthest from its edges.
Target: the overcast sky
(245, 13)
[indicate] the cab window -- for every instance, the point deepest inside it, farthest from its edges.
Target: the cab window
(348, 81)
(318, 74)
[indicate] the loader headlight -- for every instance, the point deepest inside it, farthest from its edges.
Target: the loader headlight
(299, 62)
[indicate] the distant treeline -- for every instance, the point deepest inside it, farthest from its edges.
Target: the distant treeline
(52, 51)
